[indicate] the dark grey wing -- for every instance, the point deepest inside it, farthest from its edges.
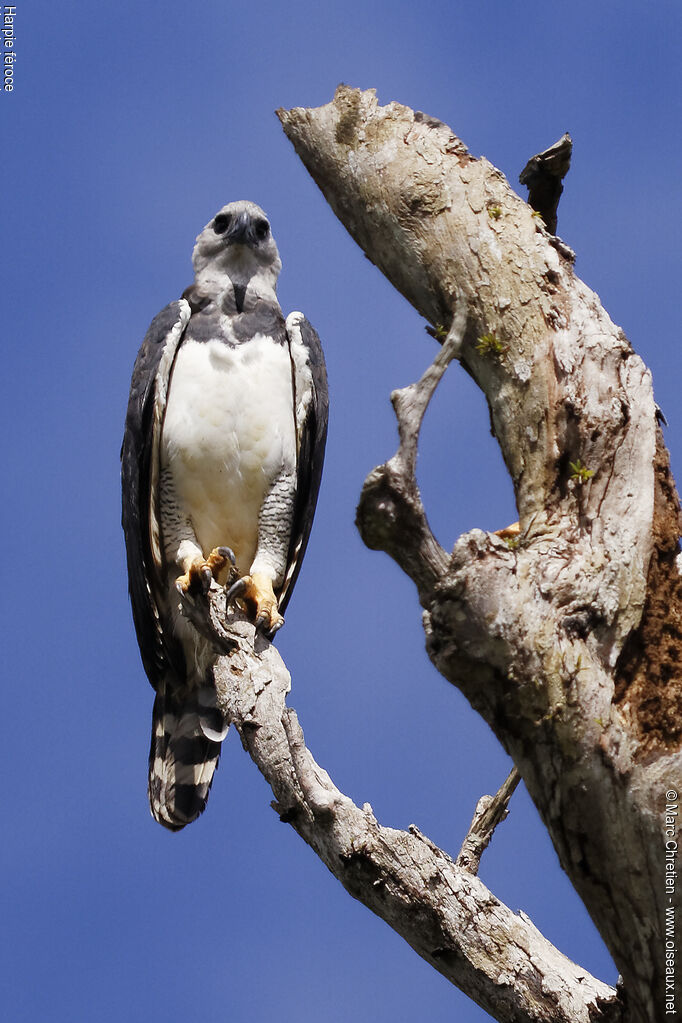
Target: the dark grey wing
(140, 484)
(311, 409)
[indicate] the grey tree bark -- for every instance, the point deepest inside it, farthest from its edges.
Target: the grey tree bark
(439, 907)
(568, 642)
(565, 639)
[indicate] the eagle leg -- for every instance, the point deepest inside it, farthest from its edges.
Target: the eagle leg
(200, 573)
(256, 593)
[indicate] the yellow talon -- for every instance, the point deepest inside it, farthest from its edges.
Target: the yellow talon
(256, 593)
(197, 579)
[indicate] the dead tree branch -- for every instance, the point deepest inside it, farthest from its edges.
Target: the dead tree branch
(569, 642)
(392, 487)
(490, 811)
(443, 911)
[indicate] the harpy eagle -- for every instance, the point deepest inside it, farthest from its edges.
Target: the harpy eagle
(221, 464)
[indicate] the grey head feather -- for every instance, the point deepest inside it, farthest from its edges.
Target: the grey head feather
(237, 244)
(236, 266)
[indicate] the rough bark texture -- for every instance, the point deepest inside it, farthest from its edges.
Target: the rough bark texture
(649, 670)
(567, 642)
(445, 913)
(490, 811)
(497, 957)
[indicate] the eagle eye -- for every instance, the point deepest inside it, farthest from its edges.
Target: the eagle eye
(261, 228)
(221, 223)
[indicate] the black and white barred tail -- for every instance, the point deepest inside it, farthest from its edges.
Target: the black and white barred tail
(187, 734)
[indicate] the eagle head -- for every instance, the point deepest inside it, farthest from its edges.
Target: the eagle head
(238, 242)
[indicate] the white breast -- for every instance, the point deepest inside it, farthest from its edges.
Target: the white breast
(227, 433)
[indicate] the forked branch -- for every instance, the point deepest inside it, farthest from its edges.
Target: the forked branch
(390, 515)
(549, 637)
(443, 911)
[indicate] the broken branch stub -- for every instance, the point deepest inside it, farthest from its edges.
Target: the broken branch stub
(543, 175)
(490, 811)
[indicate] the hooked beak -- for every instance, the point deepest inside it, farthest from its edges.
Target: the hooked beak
(240, 231)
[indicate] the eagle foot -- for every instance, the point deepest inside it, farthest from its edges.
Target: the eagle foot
(257, 595)
(197, 579)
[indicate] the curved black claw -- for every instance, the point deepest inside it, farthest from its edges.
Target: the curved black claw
(237, 589)
(262, 620)
(206, 579)
(195, 583)
(227, 552)
(275, 628)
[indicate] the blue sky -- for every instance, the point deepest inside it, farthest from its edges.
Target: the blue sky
(128, 127)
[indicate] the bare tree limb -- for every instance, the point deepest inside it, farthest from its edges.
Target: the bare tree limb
(392, 488)
(569, 643)
(444, 912)
(490, 811)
